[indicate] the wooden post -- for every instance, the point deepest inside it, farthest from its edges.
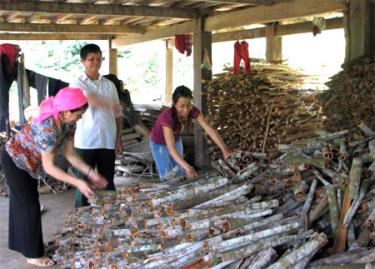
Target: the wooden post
(169, 44)
(112, 65)
(274, 44)
(359, 29)
(201, 43)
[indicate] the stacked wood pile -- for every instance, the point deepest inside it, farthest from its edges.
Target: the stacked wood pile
(128, 162)
(351, 96)
(257, 111)
(149, 113)
(312, 206)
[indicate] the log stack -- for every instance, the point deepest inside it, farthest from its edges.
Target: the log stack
(312, 206)
(125, 163)
(259, 110)
(149, 113)
(351, 96)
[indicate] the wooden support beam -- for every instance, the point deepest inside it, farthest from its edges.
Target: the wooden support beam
(33, 17)
(97, 9)
(281, 30)
(153, 34)
(62, 17)
(169, 45)
(113, 61)
(360, 29)
(201, 43)
(11, 17)
(274, 45)
(248, 2)
(70, 28)
(188, 27)
(112, 65)
(88, 19)
(53, 37)
(277, 12)
(237, 35)
(305, 27)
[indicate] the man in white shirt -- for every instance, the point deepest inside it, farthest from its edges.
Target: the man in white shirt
(98, 134)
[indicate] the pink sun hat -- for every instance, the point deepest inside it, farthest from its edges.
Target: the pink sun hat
(66, 99)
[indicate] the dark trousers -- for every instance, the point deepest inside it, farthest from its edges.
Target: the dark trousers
(25, 224)
(104, 162)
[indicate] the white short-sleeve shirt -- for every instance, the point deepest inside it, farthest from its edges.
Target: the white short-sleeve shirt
(97, 127)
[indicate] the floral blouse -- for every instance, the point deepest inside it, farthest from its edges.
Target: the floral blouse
(25, 148)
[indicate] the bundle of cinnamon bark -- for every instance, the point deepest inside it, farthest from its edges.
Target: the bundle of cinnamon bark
(311, 206)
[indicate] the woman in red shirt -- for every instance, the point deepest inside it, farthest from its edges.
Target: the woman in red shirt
(166, 142)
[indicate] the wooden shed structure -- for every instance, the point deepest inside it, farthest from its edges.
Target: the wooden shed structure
(124, 22)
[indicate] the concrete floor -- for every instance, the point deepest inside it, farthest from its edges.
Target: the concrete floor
(58, 205)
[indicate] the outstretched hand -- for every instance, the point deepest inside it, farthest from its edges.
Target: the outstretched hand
(84, 188)
(191, 173)
(97, 181)
(227, 154)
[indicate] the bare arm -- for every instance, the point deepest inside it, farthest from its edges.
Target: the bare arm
(97, 101)
(214, 136)
(51, 169)
(169, 139)
(118, 146)
(73, 158)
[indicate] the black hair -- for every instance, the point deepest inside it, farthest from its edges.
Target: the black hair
(84, 107)
(89, 48)
(123, 94)
(180, 91)
(115, 80)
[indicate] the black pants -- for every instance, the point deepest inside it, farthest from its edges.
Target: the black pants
(104, 161)
(25, 224)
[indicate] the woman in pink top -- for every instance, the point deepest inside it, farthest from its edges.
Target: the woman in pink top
(166, 142)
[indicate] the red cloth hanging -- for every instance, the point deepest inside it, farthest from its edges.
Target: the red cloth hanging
(183, 43)
(241, 51)
(11, 51)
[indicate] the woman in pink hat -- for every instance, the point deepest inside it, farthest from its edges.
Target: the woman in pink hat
(32, 151)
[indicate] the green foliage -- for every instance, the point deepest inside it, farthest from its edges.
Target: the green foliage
(151, 68)
(63, 56)
(126, 54)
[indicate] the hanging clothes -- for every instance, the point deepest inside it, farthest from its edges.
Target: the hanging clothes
(39, 82)
(241, 51)
(23, 90)
(183, 43)
(54, 85)
(11, 51)
(8, 73)
(46, 86)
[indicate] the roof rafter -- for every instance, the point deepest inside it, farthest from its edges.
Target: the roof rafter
(249, 2)
(97, 9)
(70, 28)
(277, 12)
(253, 15)
(49, 36)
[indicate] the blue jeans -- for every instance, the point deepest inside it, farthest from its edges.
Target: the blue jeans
(163, 160)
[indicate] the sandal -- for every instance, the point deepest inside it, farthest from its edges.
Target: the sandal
(41, 262)
(43, 209)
